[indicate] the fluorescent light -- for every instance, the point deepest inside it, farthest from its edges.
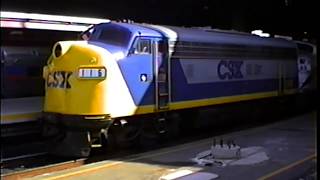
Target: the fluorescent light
(260, 33)
(44, 26)
(58, 27)
(284, 37)
(11, 24)
(47, 17)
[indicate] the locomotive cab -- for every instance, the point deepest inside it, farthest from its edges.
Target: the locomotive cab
(111, 73)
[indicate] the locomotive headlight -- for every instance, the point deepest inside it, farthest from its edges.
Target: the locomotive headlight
(61, 48)
(57, 51)
(92, 73)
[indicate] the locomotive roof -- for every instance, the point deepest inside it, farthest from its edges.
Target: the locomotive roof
(138, 29)
(215, 36)
(204, 36)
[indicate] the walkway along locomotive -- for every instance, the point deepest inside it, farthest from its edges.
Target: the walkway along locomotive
(123, 77)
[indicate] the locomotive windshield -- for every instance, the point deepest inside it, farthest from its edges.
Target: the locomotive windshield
(112, 35)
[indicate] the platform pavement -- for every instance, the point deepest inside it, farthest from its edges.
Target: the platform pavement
(290, 146)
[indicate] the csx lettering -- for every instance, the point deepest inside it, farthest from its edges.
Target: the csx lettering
(59, 79)
(230, 69)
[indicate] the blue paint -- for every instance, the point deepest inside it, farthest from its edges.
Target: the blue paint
(142, 93)
(133, 30)
(132, 67)
(214, 36)
(112, 49)
(182, 91)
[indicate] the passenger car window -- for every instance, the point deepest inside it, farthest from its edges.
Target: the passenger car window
(143, 46)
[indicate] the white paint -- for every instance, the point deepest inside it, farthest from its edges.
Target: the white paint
(249, 156)
(118, 99)
(245, 152)
(118, 55)
(170, 34)
(252, 159)
(202, 176)
(206, 70)
(225, 152)
(176, 174)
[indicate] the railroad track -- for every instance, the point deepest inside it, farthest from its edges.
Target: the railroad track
(9, 159)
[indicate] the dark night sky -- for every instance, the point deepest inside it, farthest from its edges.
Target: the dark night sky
(286, 17)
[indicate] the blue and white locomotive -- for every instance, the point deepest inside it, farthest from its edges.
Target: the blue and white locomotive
(123, 74)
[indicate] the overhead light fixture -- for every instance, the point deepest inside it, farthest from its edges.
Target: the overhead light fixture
(47, 22)
(260, 33)
(283, 37)
(47, 17)
(44, 26)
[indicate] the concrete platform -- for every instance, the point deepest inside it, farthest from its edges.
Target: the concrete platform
(284, 150)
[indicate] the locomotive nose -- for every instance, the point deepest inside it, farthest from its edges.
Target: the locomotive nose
(76, 76)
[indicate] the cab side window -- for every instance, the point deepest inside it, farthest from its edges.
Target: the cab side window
(143, 46)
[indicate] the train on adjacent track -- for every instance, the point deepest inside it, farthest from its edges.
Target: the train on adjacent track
(26, 42)
(124, 79)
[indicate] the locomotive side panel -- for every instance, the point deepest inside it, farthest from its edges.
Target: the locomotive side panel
(201, 77)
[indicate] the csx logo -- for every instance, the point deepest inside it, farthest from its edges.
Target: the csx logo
(230, 69)
(59, 79)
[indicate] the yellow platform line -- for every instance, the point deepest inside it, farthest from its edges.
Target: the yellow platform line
(274, 173)
(83, 171)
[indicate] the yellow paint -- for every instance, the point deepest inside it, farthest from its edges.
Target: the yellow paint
(145, 109)
(88, 96)
(84, 171)
(274, 173)
(19, 117)
(206, 102)
(221, 100)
